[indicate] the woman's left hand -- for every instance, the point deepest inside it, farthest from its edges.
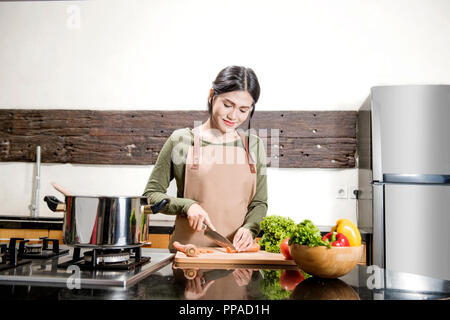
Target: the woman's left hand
(242, 276)
(243, 239)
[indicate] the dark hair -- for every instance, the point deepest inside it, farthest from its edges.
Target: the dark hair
(236, 78)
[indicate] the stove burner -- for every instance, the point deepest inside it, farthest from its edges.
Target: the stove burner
(10, 257)
(107, 246)
(111, 257)
(41, 250)
(33, 248)
(3, 249)
(126, 258)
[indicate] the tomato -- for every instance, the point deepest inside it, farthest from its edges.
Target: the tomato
(284, 248)
(289, 279)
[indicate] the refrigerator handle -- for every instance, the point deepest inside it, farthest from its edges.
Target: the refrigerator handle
(376, 139)
(378, 240)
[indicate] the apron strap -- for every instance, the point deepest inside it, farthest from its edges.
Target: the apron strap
(195, 160)
(196, 155)
(251, 162)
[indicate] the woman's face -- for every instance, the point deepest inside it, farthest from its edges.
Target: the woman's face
(230, 110)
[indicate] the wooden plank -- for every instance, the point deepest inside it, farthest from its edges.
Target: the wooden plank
(293, 139)
(159, 240)
(56, 234)
(23, 233)
(220, 256)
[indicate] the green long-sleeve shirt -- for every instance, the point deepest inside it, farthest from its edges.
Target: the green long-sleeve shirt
(171, 164)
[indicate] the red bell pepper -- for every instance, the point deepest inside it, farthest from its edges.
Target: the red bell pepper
(337, 239)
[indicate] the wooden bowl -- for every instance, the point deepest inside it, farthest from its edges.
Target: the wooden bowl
(326, 262)
(315, 288)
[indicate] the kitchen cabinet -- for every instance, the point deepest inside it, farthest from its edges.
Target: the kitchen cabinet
(159, 240)
(25, 233)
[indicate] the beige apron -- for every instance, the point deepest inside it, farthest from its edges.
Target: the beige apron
(222, 179)
(226, 288)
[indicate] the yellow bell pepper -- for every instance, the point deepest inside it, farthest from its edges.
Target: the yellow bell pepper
(350, 230)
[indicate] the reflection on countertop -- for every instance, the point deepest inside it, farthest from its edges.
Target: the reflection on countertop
(174, 282)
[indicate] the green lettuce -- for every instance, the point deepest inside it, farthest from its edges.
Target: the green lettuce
(271, 285)
(307, 233)
(275, 230)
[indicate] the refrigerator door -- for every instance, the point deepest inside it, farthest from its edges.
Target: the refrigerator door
(416, 223)
(410, 130)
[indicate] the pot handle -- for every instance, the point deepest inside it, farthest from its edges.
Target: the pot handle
(54, 204)
(153, 209)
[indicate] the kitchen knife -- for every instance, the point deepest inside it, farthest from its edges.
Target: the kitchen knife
(218, 238)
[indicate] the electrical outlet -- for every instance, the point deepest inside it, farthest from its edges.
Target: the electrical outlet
(351, 193)
(341, 192)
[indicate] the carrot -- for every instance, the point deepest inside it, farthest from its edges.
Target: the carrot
(190, 273)
(254, 248)
(203, 250)
(189, 249)
(229, 250)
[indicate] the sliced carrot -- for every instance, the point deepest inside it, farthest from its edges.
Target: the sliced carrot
(229, 250)
(205, 251)
(254, 248)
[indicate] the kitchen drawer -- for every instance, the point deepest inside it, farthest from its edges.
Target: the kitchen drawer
(158, 240)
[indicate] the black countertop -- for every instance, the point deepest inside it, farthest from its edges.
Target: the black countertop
(247, 283)
(23, 222)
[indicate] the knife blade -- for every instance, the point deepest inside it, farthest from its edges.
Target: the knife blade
(218, 238)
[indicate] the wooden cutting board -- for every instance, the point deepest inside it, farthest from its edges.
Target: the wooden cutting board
(220, 256)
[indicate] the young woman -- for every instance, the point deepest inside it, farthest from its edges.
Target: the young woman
(220, 171)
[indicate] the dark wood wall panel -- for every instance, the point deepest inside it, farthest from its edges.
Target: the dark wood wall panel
(306, 139)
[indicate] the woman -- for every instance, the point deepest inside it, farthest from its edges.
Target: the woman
(220, 181)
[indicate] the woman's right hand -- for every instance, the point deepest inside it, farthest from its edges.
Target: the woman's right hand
(196, 216)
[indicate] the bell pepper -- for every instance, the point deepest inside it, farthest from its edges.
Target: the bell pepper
(337, 239)
(350, 230)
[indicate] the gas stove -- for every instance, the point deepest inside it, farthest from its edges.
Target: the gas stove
(12, 256)
(107, 257)
(80, 266)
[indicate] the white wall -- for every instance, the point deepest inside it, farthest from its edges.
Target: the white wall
(308, 55)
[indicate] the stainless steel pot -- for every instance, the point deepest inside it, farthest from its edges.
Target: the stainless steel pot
(105, 221)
